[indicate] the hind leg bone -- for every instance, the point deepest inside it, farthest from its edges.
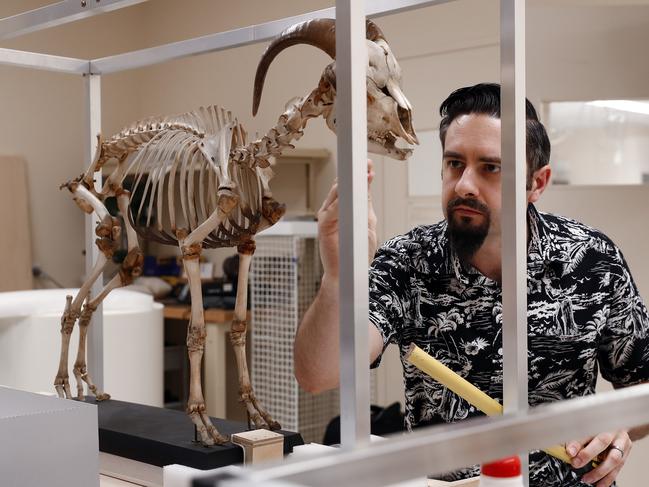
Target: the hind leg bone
(131, 267)
(256, 412)
(208, 433)
(89, 203)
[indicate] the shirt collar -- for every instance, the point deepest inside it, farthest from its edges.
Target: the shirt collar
(467, 275)
(537, 253)
(541, 253)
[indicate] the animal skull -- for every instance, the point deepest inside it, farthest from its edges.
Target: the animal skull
(389, 113)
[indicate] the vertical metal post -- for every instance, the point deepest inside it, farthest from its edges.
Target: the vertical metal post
(514, 209)
(351, 128)
(96, 329)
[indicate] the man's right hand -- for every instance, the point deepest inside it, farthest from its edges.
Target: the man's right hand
(316, 348)
(328, 229)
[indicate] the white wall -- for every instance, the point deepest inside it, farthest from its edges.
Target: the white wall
(597, 145)
(590, 54)
(42, 121)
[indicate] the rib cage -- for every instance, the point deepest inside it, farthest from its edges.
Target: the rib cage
(180, 164)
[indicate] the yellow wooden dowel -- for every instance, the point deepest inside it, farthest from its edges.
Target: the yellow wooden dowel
(463, 388)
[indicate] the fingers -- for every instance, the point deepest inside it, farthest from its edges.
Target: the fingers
(331, 201)
(333, 192)
(331, 197)
(596, 446)
(604, 469)
(609, 479)
(370, 172)
(573, 447)
(613, 456)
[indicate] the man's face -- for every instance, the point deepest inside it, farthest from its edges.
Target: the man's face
(471, 181)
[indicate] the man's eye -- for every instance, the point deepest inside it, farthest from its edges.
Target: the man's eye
(454, 164)
(492, 168)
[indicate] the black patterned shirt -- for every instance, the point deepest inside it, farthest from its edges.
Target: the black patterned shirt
(584, 311)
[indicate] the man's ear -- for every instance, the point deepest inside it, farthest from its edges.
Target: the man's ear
(540, 181)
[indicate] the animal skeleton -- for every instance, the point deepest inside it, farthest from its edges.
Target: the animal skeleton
(224, 198)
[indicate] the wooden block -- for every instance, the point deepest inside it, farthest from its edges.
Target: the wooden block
(259, 445)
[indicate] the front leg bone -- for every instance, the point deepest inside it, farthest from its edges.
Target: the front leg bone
(61, 381)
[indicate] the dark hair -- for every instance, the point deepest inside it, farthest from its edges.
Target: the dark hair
(484, 98)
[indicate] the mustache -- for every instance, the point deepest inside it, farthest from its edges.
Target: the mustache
(469, 203)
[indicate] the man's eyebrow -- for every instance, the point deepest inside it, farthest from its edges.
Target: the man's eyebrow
(452, 155)
(456, 155)
(493, 160)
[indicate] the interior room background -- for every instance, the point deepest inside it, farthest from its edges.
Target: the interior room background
(577, 50)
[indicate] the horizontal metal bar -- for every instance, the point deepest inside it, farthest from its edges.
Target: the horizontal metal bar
(46, 62)
(200, 45)
(57, 14)
(443, 448)
(381, 8)
(237, 37)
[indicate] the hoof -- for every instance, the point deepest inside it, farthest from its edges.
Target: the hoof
(207, 442)
(62, 387)
(219, 439)
(102, 397)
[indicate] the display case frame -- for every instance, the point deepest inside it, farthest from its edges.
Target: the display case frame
(351, 157)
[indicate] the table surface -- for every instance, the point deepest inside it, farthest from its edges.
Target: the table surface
(184, 311)
(105, 481)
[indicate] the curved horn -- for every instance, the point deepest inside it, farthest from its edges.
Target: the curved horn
(320, 33)
(317, 32)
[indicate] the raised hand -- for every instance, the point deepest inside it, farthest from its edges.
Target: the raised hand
(328, 228)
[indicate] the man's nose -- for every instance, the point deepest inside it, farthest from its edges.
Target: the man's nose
(467, 185)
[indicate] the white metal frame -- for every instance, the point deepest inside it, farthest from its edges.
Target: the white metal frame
(549, 423)
(442, 448)
(56, 14)
(351, 119)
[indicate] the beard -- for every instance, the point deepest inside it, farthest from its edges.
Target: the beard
(466, 234)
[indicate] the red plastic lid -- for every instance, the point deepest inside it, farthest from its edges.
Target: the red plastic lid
(507, 467)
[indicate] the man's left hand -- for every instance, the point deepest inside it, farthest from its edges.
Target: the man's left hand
(609, 449)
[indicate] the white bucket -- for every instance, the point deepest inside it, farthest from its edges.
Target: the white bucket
(30, 343)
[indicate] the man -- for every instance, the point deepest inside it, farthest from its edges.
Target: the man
(439, 287)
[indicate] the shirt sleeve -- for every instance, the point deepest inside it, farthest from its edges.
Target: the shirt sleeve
(624, 342)
(389, 291)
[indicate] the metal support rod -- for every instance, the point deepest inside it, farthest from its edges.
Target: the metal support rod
(351, 129)
(380, 8)
(45, 62)
(238, 37)
(200, 45)
(53, 15)
(438, 449)
(57, 14)
(514, 209)
(96, 329)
